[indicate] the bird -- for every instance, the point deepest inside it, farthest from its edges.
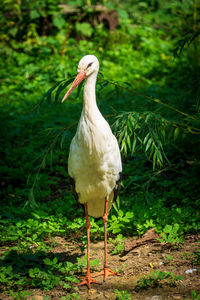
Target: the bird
(94, 162)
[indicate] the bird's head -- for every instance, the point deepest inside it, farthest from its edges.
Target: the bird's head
(88, 65)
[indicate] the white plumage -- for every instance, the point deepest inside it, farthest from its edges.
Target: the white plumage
(94, 159)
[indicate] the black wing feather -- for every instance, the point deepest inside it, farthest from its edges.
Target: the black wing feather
(117, 186)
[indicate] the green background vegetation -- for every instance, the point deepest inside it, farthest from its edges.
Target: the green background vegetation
(149, 91)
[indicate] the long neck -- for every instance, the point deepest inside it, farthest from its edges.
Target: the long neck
(90, 105)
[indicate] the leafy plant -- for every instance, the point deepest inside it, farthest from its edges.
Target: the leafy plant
(82, 262)
(122, 295)
(71, 297)
(156, 278)
(138, 131)
(167, 258)
(121, 222)
(196, 257)
(170, 235)
(194, 295)
(20, 294)
(25, 269)
(118, 243)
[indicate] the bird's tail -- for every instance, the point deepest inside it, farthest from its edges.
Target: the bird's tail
(96, 207)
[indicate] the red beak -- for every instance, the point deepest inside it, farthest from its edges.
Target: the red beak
(80, 76)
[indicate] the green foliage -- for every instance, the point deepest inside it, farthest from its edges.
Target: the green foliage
(20, 295)
(171, 235)
(167, 258)
(122, 295)
(186, 40)
(196, 259)
(157, 278)
(84, 28)
(137, 132)
(118, 243)
(82, 263)
(19, 270)
(194, 295)
(120, 222)
(71, 297)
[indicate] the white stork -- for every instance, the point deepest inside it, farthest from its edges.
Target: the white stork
(94, 161)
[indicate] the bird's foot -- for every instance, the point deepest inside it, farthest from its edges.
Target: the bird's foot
(87, 281)
(106, 272)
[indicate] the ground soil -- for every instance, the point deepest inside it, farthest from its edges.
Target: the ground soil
(133, 265)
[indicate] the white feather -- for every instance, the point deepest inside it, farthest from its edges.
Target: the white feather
(94, 159)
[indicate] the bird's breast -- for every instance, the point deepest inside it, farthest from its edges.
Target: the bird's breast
(94, 135)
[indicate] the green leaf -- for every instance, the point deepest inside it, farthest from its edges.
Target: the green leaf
(120, 213)
(61, 88)
(58, 21)
(176, 133)
(47, 261)
(168, 228)
(128, 140)
(176, 227)
(154, 160)
(34, 237)
(129, 214)
(36, 215)
(148, 144)
(134, 144)
(146, 137)
(34, 14)
(66, 286)
(47, 95)
(84, 28)
(55, 260)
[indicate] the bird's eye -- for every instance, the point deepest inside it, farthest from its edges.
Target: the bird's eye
(89, 65)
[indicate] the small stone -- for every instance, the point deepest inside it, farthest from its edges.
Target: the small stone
(190, 271)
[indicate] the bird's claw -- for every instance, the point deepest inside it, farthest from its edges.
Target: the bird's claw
(87, 281)
(106, 272)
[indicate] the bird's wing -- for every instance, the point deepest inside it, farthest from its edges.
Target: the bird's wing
(94, 162)
(117, 187)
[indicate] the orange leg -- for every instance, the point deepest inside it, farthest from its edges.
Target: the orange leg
(88, 278)
(106, 271)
